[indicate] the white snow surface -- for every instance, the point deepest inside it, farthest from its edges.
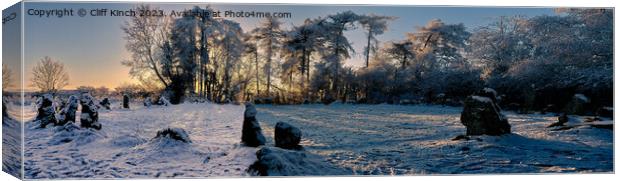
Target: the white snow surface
(390, 139)
(582, 97)
(367, 139)
(482, 99)
(125, 148)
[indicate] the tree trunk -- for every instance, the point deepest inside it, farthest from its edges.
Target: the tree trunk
(257, 78)
(335, 82)
(368, 47)
(269, 53)
(308, 76)
(154, 66)
(302, 86)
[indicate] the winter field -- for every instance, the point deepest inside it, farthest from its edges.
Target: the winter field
(392, 139)
(125, 148)
(360, 139)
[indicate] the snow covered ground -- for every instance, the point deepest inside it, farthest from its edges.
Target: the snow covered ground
(124, 148)
(367, 139)
(11, 144)
(390, 139)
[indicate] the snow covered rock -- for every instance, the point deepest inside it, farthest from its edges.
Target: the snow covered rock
(90, 115)
(567, 122)
(251, 133)
(481, 115)
(177, 134)
(46, 112)
(274, 161)
(67, 127)
(563, 119)
(328, 99)
(127, 140)
(163, 101)
(488, 92)
(60, 103)
(71, 133)
(287, 136)
(440, 99)
(67, 114)
(125, 101)
(148, 102)
(578, 105)
(105, 103)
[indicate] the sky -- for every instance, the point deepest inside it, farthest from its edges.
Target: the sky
(92, 47)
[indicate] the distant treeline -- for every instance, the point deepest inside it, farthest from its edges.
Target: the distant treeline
(532, 62)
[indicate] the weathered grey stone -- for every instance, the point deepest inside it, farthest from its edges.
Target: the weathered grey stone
(105, 103)
(251, 133)
(488, 92)
(90, 115)
(148, 102)
(287, 136)
(163, 101)
(46, 112)
(481, 115)
(126, 101)
(67, 114)
(272, 161)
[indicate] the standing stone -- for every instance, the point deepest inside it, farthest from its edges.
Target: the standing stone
(481, 115)
(148, 102)
(251, 134)
(67, 114)
(125, 101)
(327, 98)
(287, 136)
(60, 104)
(163, 101)
(105, 103)
(577, 105)
(46, 113)
(90, 115)
(488, 92)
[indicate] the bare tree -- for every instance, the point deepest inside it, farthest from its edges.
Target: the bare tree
(6, 77)
(145, 35)
(49, 75)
